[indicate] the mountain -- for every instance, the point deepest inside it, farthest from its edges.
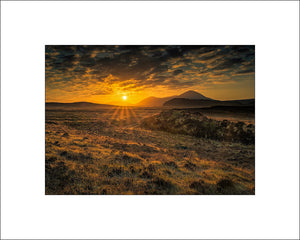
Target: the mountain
(183, 102)
(158, 102)
(153, 101)
(75, 106)
(193, 95)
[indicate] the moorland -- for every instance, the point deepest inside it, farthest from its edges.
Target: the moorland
(104, 149)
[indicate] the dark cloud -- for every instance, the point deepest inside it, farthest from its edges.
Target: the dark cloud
(228, 63)
(148, 66)
(176, 72)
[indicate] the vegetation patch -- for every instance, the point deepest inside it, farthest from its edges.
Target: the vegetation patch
(196, 124)
(86, 158)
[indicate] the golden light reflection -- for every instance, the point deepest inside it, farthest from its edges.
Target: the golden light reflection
(124, 114)
(115, 114)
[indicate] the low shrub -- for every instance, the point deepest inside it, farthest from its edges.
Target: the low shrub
(196, 124)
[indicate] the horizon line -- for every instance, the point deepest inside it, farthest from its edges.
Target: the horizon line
(136, 103)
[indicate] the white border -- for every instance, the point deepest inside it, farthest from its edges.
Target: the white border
(26, 213)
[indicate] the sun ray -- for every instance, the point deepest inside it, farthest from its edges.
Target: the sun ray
(111, 110)
(130, 115)
(133, 114)
(114, 116)
(128, 118)
(122, 113)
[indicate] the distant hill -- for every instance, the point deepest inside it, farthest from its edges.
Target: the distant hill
(183, 102)
(190, 102)
(158, 102)
(193, 95)
(153, 101)
(75, 106)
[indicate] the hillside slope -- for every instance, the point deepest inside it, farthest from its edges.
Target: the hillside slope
(158, 102)
(183, 102)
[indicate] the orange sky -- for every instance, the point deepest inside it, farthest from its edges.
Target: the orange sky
(104, 74)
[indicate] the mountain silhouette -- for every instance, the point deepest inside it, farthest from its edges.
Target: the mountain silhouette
(75, 106)
(158, 102)
(193, 95)
(184, 102)
(154, 101)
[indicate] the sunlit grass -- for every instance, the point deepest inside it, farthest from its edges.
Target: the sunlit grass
(123, 113)
(121, 160)
(115, 114)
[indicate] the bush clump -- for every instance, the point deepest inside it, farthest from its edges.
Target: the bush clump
(196, 124)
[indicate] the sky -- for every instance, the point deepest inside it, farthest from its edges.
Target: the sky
(105, 74)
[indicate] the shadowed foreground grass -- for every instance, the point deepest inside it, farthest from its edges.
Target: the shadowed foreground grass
(88, 153)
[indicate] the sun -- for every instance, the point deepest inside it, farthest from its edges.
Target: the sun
(124, 98)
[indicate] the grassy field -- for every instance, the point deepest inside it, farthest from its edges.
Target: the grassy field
(111, 152)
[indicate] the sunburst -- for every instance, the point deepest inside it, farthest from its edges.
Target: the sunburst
(125, 113)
